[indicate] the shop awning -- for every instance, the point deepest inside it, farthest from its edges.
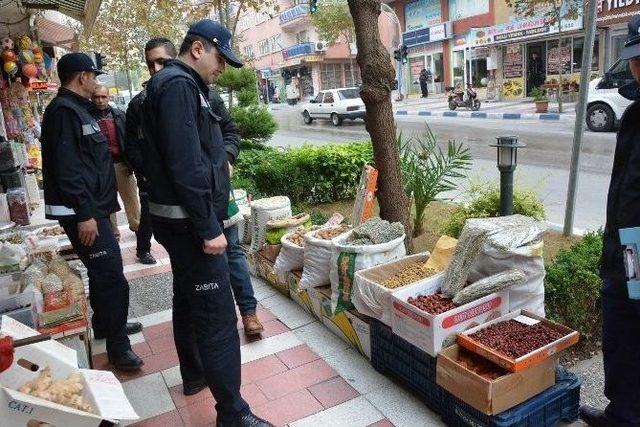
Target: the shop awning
(84, 11)
(55, 33)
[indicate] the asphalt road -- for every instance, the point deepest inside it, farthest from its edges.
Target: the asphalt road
(542, 165)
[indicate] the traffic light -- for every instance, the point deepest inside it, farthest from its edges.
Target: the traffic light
(101, 60)
(404, 53)
(313, 6)
(397, 55)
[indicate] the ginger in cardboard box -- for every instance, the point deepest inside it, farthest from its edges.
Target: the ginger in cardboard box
(67, 392)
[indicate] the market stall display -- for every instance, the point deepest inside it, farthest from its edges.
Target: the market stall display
(263, 211)
(372, 243)
(291, 256)
(317, 256)
(276, 228)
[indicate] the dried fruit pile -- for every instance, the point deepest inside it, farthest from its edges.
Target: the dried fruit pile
(332, 232)
(480, 365)
(432, 304)
(297, 238)
(514, 339)
(53, 231)
(413, 273)
(67, 392)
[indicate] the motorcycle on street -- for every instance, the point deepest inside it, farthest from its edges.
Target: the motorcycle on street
(459, 98)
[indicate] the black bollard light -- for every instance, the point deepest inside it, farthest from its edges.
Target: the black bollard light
(507, 147)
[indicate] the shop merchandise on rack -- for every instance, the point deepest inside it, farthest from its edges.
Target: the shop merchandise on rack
(25, 90)
(462, 327)
(41, 383)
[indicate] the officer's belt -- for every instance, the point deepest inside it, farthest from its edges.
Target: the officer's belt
(58, 210)
(168, 211)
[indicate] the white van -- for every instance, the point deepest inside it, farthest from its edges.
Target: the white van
(605, 105)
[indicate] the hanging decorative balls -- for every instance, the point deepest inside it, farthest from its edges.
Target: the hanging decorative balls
(30, 70)
(7, 43)
(26, 57)
(8, 56)
(10, 68)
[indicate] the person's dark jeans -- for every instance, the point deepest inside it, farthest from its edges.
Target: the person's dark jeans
(621, 353)
(145, 231)
(239, 272)
(108, 288)
(204, 318)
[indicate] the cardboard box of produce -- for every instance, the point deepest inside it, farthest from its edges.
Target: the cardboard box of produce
(492, 396)
(100, 389)
(372, 298)
(351, 326)
(431, 332)
(310, 301)
(568, 338)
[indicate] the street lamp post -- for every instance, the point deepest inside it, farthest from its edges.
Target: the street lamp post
(507, 150)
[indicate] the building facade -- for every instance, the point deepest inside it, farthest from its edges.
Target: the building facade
(613, 16)
(290, 58)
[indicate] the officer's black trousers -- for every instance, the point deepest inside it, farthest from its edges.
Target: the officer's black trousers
(108, 288)
(204, 318)
(144, 233)
(621, 353)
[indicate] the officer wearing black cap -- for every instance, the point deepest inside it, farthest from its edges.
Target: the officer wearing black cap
(80, 192)
(188, 176)
(621, 313)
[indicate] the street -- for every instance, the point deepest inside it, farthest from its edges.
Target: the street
(542, 165)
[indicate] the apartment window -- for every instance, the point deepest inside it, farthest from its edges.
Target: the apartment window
(302, 37)
(248, 51)
(331, 76)
(276, 43)
(263, 47)
(357, 79)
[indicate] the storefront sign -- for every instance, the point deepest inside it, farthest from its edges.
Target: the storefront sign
(519, 30)
(462, 9)
(421, 14)
(428, 35)
(479, 53)
(512, 63)
(559, 57)
(612, 12)
(38, 85)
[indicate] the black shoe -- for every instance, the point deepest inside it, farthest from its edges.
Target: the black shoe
(189, 388)
(128, 361)
(132, 328)
(249, 420)
(598, 418)
(146, 258)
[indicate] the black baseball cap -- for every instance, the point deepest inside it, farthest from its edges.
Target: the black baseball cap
(632, 44)
(77, 61)
(219, 36)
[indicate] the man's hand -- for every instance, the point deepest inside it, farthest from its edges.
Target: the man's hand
(88, 232)
(230, 170)
(215, 246)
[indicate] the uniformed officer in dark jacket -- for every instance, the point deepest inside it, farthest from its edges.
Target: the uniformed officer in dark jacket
(187, 171)
(156, 52)
(621, 312)
(80, 192)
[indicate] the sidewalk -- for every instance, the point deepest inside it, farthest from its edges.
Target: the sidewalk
(436, 105)
(299, 374)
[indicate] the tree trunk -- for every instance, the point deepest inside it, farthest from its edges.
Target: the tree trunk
(377, 82)
(560, 69)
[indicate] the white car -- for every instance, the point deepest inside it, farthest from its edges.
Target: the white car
(605, 105)
(335, 105)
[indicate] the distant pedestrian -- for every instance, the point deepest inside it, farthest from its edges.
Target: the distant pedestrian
(425, 77)
(620, 313)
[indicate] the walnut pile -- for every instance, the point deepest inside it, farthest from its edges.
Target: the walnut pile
(67, 392)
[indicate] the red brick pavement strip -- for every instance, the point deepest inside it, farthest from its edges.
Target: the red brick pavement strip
(289, 408)
(333, 392)
(296, 379)
(382, 423)
(297, 356)
(158, 269)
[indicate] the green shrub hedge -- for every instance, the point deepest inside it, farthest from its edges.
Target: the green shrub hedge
(572, 287)
(310, 174)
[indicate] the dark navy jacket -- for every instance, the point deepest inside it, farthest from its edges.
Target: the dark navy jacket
(185, 159)
(79, 181)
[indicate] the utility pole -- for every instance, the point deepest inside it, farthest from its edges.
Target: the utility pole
(585, 74)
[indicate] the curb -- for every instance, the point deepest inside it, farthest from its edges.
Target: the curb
(493, 116)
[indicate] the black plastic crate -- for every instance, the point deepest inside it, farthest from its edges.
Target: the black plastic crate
(558, 403)
(393, 356)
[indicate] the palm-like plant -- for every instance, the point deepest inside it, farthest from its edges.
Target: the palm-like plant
(428, 170)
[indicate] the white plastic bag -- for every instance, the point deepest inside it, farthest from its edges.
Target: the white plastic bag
(514, 242)
(317, 261)
(290, 258)
(347, 259)
(264, 210)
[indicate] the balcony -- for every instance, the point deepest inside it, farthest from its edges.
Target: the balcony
(295, 18)
(298, 50)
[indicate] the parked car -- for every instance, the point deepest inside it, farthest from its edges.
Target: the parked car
(335, 105)
(605, 105)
